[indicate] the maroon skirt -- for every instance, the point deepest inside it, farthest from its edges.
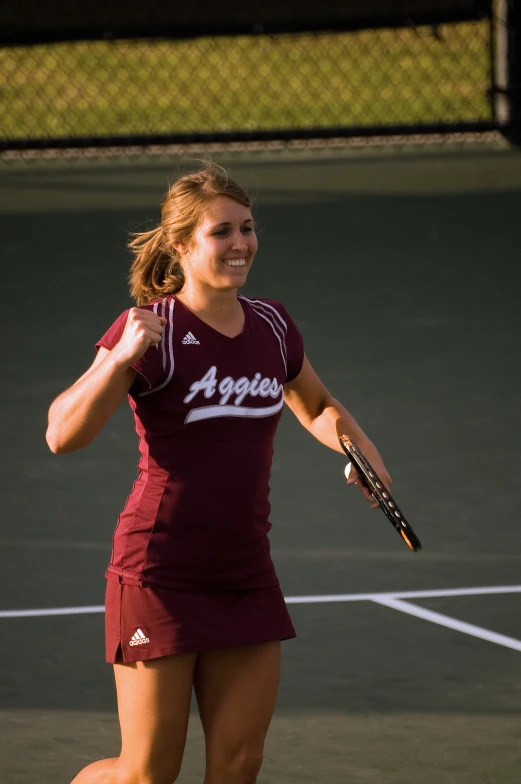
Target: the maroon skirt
(146, 623)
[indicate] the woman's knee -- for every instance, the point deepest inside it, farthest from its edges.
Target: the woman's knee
(115, 771)
(163, 770)
(154, 777)
(241, 767)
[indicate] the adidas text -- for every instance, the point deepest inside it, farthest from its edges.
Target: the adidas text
(190, 339)
(139, 638)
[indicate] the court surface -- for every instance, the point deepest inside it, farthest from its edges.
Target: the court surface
(403, 274)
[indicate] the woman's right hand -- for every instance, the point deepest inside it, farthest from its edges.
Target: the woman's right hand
(142, 330)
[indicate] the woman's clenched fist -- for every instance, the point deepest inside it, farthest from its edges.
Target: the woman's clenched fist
(142, 330)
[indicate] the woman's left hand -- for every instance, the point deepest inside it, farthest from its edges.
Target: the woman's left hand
(373, 456)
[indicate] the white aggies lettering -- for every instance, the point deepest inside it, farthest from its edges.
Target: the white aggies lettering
(265, 387)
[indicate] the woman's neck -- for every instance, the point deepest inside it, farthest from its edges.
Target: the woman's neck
(218, 308)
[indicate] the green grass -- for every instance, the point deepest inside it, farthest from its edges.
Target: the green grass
(245, 83)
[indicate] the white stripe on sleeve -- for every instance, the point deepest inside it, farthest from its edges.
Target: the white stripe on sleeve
(265, 312)
(169, 329)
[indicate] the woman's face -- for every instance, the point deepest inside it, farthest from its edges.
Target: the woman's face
(222, 248)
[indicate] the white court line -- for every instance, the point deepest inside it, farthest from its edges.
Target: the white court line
(99, 608)
(481, 591)
(449, 623)
(343, 597)
(368, 597)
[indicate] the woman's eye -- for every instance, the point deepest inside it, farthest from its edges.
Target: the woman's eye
(224, 232)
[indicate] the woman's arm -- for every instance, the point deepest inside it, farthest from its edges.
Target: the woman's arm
(79, 414)
(327, 419)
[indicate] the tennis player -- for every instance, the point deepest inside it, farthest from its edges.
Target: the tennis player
(193, 600)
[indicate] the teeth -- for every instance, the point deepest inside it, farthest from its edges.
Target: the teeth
(235, 262)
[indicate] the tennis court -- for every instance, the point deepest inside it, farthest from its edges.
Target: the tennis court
(403, 274)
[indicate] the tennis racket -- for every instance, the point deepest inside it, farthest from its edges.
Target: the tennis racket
(380, 493)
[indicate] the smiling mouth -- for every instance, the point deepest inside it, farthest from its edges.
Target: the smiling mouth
(235, 262)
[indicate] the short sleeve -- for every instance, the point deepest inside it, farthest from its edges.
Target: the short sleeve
(294, 344)
(149, 366)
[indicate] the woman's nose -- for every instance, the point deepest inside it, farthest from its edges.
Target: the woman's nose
(239, 242)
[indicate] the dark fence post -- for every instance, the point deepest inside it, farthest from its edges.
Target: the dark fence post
(514, 71)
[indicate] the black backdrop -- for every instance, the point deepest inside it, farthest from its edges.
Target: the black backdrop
(27, 21)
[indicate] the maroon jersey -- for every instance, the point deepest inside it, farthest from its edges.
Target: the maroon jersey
(206, 409)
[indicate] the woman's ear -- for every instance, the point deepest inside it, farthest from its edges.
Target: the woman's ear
(181, 248)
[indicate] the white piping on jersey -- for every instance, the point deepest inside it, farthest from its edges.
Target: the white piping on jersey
(211, 412)
(265, 311)
(262, 304)
(282, 352)
(163, 341)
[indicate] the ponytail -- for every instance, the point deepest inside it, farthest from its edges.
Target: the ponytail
(156, 270)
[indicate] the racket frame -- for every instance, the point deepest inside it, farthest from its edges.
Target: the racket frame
(380, 493)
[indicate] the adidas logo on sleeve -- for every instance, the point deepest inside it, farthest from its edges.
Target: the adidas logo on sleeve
(139, 638)
(190, 339)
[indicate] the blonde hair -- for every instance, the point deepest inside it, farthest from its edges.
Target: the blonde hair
(156, 270)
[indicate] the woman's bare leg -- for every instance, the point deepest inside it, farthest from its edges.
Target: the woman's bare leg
(154, 707)
(236, 692)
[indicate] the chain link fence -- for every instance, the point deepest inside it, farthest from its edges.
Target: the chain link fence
(361, 82)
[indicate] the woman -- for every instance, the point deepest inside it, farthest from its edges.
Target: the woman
(192, 596)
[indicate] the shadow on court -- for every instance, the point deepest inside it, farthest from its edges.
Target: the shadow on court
(408, 302)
